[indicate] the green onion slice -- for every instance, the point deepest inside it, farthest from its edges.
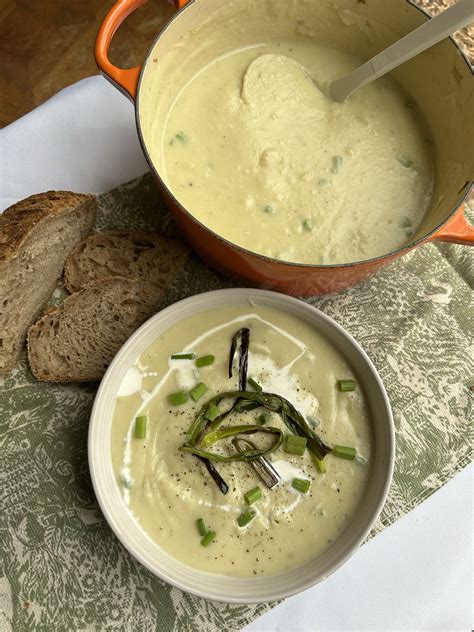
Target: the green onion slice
(140, 427)
(320, 464)
(206, 360)
(405, 162)
(208, 538)
(246, 517)
(345, 386)
(178, 398)
(301, 485)
(295, 445)
(344, 452)
(201, 527)
(198, 391)
(183, 356)
(253, 495)
(255, 385)
(181, 136)
(212, 412)
(307, 223)
(336, 164)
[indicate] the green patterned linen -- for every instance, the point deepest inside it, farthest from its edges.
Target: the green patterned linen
(61, 567)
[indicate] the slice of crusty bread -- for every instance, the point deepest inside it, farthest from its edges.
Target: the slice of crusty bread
(76, 342)
(148, 257)
(36, 236)
(117, 279)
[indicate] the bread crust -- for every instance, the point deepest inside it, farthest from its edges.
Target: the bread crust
(19, 220)
(18, 226)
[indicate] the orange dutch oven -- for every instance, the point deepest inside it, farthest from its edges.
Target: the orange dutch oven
(440, 80)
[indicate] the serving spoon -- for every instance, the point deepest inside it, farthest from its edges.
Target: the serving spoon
(427, 35)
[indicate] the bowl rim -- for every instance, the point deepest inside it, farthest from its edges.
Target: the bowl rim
(95, 453)
(463, 193)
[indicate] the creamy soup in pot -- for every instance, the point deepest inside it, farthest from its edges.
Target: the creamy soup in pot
(256, 152)
(301, 427)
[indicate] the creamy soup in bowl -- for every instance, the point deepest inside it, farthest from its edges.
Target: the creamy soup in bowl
(219, 483)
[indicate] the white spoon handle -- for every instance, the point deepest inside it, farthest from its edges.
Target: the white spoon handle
(427, 35)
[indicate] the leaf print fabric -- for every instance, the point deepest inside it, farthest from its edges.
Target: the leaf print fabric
(61, 567)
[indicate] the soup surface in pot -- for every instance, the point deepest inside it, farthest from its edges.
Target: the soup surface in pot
(254, 151)
(168, 490)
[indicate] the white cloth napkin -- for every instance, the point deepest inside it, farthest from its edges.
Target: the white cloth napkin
(416, 575)
(83, 139)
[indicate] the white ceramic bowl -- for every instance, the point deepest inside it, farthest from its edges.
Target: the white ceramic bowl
(220, 587)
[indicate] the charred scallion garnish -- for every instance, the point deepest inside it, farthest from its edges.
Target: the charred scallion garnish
(232, 431)
(262, 466)
(210, 418)
(292, 418)
(244, 336)
(216, 477)
(263, 419)
(242, 406)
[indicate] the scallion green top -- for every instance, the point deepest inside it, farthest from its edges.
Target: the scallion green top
(198, 391)
(253, 495)
(178, 398)
(206, 360)
(345, 386)
(295, 445)
(141, 427)
(183, 356)
(255, 385)
(245, 518)
(301, 485)
(344, 452)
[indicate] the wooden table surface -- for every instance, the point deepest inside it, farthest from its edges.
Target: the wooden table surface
(46, 45)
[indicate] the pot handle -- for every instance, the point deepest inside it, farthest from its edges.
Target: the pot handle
(125, 80)
(457, 230)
